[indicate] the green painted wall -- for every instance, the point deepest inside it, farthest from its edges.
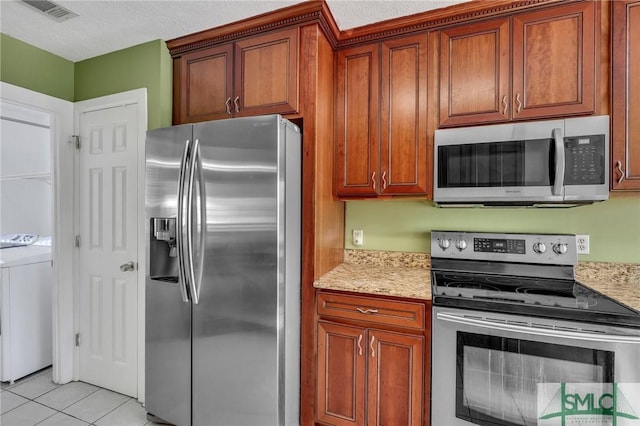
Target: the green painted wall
(24, 65)
(145, 65)
(613, 225)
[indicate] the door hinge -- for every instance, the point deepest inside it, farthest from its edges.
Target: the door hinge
(75, 139)
(77, 339)
(77, 240)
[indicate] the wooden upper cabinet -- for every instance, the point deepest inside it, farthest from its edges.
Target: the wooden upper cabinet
(381, 114)
(254, 76)
(474, 73)
(554, 62)
(267, 74)
(206, 84)
(548, 69)
(625, 107)
(403, 116)
(357, 154)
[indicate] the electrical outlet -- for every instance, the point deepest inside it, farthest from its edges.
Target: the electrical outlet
(358, 237)
(582, 244)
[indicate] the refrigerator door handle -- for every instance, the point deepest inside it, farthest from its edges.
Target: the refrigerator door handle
(182, 276)
(194, 163)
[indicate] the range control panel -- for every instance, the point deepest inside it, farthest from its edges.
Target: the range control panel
(552, 249)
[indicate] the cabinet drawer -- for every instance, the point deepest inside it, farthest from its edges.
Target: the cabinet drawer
(371, 310)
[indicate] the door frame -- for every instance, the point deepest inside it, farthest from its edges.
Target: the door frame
(139, 97)
(61, 127)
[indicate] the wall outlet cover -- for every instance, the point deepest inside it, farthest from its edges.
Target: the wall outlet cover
(582, 244)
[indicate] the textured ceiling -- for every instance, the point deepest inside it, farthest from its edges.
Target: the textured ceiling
(106, 26)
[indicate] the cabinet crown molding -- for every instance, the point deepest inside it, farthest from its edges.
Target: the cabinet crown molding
(317, 11)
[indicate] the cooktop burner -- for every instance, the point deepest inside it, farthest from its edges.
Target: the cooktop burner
(516, 273)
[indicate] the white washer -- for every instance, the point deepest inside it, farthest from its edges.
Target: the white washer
(26, 282)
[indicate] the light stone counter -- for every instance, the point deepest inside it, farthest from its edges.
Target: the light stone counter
(408, 275)
(381, 272)
(620, 281)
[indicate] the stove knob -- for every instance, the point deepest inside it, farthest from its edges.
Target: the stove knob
(461, 244)
(560, 248)
(539, 248)
(444, 244)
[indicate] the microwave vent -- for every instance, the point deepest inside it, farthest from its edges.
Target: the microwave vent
(50, 9)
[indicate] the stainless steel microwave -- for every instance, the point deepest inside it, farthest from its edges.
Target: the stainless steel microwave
(542, 163)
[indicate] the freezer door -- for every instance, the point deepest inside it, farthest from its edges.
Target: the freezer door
(167, 315)
(236, 336)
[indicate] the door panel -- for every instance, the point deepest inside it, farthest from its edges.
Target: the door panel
(341, 374)
(266, 80)
(167, 316)
(475, 73)
(207, 84)
(396, 375)
(235, 323)
(403, 120)
(357, 120)
(108, 226)
(554, 62)
(625, 137)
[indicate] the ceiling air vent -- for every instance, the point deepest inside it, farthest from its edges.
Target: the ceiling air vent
(50, 9)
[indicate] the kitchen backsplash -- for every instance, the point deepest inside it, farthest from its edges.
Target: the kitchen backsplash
(404, 226)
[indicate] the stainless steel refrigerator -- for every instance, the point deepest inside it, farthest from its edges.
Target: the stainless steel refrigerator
(223, 227)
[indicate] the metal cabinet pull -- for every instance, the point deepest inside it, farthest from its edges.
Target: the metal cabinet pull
(505, 104)
(373, 179)
(619, 167)
(384, 180)
(227, 103)
(129, 266)
(235, 103)
(360, 344)
(373, 351)
(518, 103)
(367, 311)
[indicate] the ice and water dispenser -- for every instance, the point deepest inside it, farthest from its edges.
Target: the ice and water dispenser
(163, 250)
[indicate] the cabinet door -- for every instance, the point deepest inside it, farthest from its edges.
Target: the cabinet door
(206, 84)
(625, 136)
(341, 374)
(554, 61)
(395, 379)
(266, 74)
(474, 73)
(403, 116)
(357, 155)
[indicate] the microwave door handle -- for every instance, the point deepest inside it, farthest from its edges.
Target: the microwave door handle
(558, 183)
(532, 329)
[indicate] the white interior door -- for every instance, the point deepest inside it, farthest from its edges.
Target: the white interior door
(108, 203)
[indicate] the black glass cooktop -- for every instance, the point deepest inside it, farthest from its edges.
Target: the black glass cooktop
(554, 298)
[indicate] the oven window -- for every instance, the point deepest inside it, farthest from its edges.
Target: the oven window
(496, 164)
(496, 377)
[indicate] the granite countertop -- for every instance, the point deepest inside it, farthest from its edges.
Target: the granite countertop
(409, 275)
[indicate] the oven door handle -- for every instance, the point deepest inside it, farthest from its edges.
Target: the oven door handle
(565, 334)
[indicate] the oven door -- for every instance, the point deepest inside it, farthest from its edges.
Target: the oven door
(486, 367)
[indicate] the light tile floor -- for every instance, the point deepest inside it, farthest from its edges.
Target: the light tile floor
(36, 400)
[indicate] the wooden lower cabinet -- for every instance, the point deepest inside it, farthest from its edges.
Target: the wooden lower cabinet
(367, 375)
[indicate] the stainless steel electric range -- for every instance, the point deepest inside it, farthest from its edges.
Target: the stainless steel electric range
(508, 314)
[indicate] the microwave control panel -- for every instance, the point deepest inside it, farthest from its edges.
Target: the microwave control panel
(584, 160)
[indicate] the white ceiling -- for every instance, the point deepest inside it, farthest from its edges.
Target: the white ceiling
(108, 25)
